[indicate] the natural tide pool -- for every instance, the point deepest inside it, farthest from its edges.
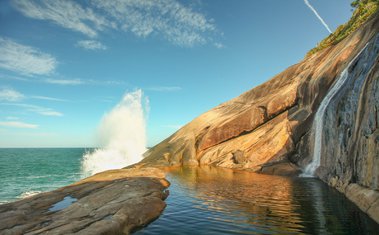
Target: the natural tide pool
(208, 200)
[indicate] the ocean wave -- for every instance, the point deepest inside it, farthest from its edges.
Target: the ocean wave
(28, 194)
(122, 136)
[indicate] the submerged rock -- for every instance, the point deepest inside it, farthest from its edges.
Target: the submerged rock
(111, 202)
(284, 168)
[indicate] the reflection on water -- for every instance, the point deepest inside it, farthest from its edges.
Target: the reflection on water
(207, 200)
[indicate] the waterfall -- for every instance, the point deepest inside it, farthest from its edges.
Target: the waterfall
(122, 136)
(318, 123)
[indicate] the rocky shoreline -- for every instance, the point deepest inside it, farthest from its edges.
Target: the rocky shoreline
(111, 202)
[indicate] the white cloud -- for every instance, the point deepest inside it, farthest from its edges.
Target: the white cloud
(74, 82)
(64, 81)
(317, 15)
(68, 14)
(219, 45)
(8, 94)
(18, 78)
(12, 118)
(91, 45)
(38, 97)
(43, 110)
(18, 124)
(25, 59)
(50, 113)
(178, 23)
(36, 109)
(164, 88)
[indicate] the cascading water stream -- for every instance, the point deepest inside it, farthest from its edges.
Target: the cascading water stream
(318, 122)
(122, 136)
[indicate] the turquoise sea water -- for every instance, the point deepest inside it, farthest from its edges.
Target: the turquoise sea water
(25, 171)
(204, 200)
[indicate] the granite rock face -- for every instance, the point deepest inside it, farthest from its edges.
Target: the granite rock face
(270, 123)
(350, 141)
(269, 128)
(111, 202)
(352, 125)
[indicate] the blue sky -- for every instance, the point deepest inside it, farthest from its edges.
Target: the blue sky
(64, 64)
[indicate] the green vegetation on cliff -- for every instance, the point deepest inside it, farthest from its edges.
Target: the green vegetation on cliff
(363, 10)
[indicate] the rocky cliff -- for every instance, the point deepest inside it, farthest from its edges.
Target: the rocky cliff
(350, 143)
(269, 128)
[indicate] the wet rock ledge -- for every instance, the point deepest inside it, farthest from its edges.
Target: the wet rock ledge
(111, 202)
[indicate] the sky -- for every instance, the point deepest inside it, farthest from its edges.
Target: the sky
(64, 64)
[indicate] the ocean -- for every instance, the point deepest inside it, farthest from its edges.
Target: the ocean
(27, 171)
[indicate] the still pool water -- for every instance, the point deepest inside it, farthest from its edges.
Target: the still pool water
(220, 201)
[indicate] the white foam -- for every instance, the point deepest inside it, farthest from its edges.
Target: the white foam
(122, 135)
(29, 194)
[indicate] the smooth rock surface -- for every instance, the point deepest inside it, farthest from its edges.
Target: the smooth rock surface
(111, 202)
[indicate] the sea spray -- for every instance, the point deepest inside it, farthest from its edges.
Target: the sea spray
(122, 136)
(318, 122)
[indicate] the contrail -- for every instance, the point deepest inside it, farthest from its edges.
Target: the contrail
(318, 16)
